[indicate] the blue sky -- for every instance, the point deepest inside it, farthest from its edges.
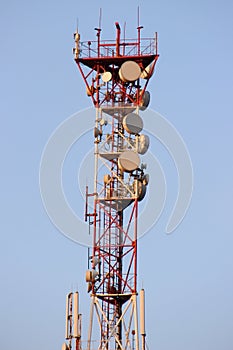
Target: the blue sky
(187, 275)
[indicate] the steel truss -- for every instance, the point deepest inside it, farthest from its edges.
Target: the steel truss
(119, 184)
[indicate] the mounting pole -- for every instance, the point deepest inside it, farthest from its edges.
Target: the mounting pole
(118, 39)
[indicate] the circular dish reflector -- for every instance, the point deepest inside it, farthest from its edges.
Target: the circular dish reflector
(133, 123)
(129, 71)
(106, 76)
(128, 161)
(143, 144)
(139, 189)
(64, 347)
(145, 179)
(145, 101)
(148, 71)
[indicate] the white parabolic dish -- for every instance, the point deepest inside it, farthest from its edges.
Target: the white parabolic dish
(106, 77)
(133, 123)
(129, 71)
(128, 161)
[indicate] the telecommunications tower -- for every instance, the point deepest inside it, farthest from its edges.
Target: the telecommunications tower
(116, 74)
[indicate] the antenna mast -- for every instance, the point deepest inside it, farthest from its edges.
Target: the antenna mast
(116, 74)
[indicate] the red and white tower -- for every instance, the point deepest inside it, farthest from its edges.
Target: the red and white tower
(116, 74)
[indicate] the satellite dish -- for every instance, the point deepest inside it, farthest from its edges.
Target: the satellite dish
(145, 101)
(139, 189)
(128, 161)
(145, 179)
(64, 347)
(133, 123)
(148, 71)
(106, 77)
(129, 71)
(143, 144)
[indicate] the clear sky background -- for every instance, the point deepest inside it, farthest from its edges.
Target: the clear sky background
(187, 275)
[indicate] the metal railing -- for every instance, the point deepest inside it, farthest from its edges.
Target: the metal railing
(128, 47)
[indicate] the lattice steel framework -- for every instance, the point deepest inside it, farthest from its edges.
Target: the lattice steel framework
(116, 74)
